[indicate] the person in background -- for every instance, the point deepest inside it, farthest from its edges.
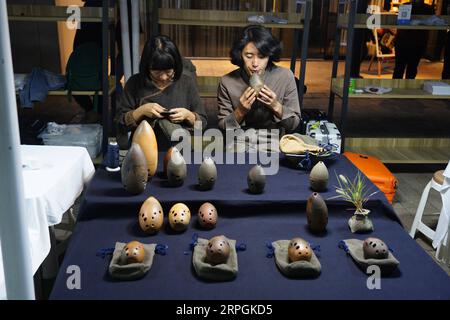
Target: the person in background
(161, 94)
(410, 45)
(88, 32)
(277, 104)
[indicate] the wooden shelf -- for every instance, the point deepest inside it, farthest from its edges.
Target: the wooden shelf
(207, 86)
(403, 150)
(401, 89)
(224, 18)
(112, 88)
(389, 21)
(53, 13)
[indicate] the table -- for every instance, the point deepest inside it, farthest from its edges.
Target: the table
(53, 179)
(108, 214)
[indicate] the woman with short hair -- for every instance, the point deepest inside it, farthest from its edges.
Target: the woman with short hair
(276, 106)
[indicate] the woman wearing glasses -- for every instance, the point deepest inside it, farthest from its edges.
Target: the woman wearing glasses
(161, 94)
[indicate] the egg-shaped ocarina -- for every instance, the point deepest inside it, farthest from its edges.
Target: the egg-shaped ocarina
(207, 216)
(299, 250)
(145, 137)
(375, 248)
(176, 170)
(256, 179)
(318, 178)
(151, 216)
(256, 82)
(133, 252)
(134, 171)
(179, 217)
(217, 250)
(207, 174)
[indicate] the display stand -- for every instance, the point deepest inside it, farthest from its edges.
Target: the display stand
(401, 89)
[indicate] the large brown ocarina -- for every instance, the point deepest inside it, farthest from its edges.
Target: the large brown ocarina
(145, 137)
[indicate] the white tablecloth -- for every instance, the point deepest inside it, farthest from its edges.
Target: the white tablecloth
(53, 179)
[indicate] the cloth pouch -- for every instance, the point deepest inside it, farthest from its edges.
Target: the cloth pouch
(131, 271)
(355, 248)
(298, 144)
(297, 269)
(220, 272)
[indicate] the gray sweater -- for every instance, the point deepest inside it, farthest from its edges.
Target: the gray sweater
(278, 79)
(139, 90)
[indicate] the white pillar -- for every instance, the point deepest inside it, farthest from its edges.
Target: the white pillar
(125, 39)
(14, 236)
(135, 34)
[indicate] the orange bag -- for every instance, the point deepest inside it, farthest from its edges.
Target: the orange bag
(376, 171)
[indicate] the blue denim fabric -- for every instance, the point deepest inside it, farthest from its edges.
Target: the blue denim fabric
(37, 85)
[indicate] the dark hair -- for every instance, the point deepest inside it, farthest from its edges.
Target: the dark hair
(160, 53)
(264, 41)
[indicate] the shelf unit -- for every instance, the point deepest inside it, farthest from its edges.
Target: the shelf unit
(402, 89)
(105, 15)
(298, 17)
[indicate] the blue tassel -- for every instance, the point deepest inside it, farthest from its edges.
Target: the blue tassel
(104, 252)
(161, 249)
(390, 249)
(316, 247)
(194, 241)
(241, 247)
(306, 162)
(343, 245)
(270, 250)
(192, 245)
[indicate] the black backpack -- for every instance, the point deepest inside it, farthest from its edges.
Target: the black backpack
(83, 70)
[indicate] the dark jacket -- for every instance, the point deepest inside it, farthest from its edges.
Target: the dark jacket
(139, 90)
(414, 39)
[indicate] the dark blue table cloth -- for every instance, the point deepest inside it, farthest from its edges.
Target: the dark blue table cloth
(108, 214)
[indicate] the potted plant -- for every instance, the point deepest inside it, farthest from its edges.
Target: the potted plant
(357, 193)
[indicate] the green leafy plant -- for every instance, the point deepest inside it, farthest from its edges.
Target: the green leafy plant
(354, 191)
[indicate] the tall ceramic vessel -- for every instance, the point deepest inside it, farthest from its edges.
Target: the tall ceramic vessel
(317, 213)
(134, 171)
(145, 137)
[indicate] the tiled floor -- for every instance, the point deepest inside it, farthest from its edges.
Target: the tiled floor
(410, 187)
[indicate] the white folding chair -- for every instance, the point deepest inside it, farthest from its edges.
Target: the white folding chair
(441, 183)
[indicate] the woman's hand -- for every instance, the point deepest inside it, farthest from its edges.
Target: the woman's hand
(269, 98)
(182, 114)
(150, 110)
(247, 99)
